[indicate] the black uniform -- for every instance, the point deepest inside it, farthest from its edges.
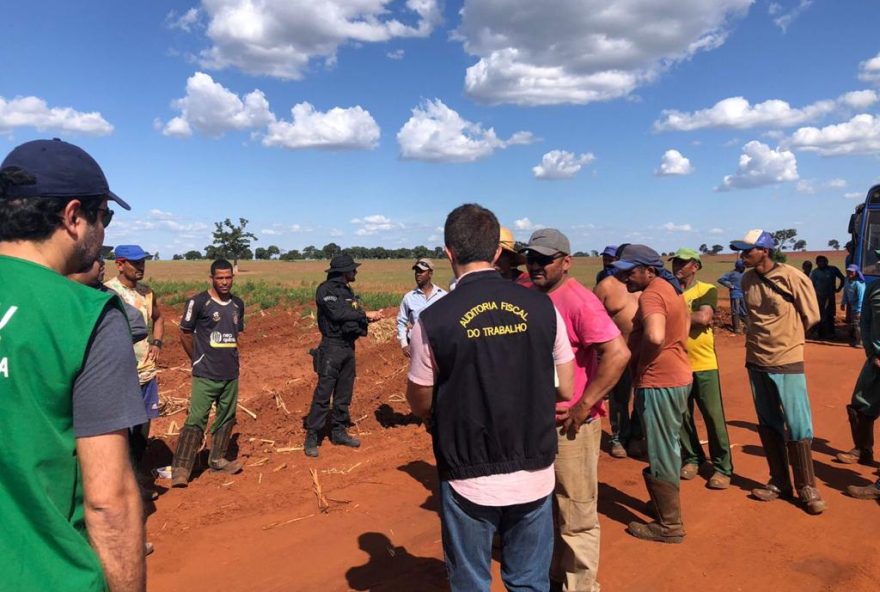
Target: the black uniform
(341, 320)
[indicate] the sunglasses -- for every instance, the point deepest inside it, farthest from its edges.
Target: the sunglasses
(106, 216)
(542, 260)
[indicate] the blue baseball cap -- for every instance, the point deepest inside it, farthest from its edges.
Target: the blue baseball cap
(130, 253)
(610, 250)
(754, 238)
(634, 255)
(52, 168)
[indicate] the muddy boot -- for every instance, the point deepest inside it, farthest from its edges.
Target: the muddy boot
(188, 446)
(219, 445)
(311, 445)
(804, 479)
(868, 492)
(668, 527)
(777, 459)
(340, 437)
(862, 428)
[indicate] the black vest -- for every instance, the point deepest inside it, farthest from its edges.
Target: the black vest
(494, 397)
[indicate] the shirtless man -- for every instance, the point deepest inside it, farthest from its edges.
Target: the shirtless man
(621, 306)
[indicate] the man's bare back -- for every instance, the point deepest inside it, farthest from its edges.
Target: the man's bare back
(619, 302)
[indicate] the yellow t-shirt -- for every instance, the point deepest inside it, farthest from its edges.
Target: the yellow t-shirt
(701, 340)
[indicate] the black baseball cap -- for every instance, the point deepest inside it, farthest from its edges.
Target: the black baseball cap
(53, 168)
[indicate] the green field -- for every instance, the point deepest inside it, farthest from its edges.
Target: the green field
(380, 282)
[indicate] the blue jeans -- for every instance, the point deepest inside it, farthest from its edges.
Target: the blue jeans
(526, 532)
(781, 400)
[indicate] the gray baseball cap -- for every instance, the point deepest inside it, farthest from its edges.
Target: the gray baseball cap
(547, 241)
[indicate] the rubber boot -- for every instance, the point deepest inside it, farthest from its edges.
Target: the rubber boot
(867, 492)
(668, 527)
(340, 437)
(219, 445)
(777, 459)
(804, 478)
(188, 446)
(862, 428)
(311, 445)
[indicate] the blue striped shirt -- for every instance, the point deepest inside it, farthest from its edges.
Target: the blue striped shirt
(411, 306)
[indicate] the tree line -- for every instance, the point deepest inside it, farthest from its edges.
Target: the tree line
(233, 241)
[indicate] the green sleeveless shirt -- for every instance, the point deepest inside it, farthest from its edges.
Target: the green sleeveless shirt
(46, 322)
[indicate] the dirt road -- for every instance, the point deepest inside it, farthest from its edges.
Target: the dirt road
(262, 530)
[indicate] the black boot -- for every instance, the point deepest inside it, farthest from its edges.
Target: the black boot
(340, 437)
(219, 445)
(311, 445)
(862, 429)
(668, 527)
(804, 479)
(777, 459)
(188, 446)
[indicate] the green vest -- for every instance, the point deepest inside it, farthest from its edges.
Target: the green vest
(46, 322)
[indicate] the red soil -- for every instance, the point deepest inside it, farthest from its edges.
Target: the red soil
(263, 530)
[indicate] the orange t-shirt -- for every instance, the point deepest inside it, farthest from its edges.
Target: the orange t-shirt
(671, 367)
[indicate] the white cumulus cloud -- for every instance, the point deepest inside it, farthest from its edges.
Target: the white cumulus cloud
(812, 186)
(761, 165)
(369, 225)
(672, 227)
(35, 112)
(581, 51)
(869, 70)
(527, 225)
(674, 163)
(212, 109)
(859, 135)
(716, 231)
(337, 129)
(184, 22)
(783, 18)
(280, 38)
(436, 133)
(561, 164)
(738, 113)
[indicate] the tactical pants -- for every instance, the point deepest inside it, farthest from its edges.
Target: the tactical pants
(335, 365)
(706, 393)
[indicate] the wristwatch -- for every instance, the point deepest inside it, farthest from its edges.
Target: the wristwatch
(156, 342)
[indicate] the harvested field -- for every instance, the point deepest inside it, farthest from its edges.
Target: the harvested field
(367, 519)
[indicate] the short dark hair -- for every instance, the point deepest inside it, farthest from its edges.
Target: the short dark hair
(471, 232)
(36, 218)
(220, 264)
(822, 258)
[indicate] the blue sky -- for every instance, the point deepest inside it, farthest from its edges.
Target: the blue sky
(363, 122)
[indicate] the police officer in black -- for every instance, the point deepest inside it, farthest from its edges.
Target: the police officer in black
(341, 320)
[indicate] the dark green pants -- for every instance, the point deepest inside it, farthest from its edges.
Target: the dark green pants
(866, 394)
(206, 392)
(706, 393)
(661, 410)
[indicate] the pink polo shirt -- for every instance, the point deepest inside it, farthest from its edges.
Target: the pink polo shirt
(506, 489)
(587, 323)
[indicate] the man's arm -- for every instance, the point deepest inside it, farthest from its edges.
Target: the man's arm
(403, 326)
(652, 342)
(805, 300)
(702, 317)
(186, 340)
(613, 358)
(838, 275)
(419, 398)
(726, 280)
(158, 330)
(113, 511)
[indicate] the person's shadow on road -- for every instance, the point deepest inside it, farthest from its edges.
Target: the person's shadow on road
(393, 568)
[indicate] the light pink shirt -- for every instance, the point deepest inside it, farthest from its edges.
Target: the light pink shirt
(505, 489)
